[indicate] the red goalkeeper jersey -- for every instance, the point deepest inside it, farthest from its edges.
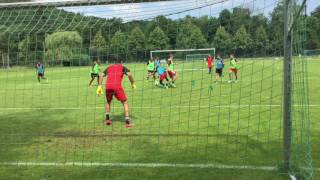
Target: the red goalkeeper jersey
(115, 74)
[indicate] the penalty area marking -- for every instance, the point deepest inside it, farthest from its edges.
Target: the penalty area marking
(147, 165)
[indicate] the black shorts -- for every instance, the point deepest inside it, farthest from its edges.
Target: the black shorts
(93, 75)
(219, 72)
(40, 74)
(151, 71)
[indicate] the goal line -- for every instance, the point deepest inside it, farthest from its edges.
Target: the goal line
(146, 165)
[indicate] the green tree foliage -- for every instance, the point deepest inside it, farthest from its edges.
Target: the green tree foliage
(239, 18)
(118, 44)
(158, 40)
(168, 26)
(190, 36)
(313, 29)
(99, 45)
(225, 19)
(275, 30)
(63, 46)
(242, 41)
(137, 41)
(261, 42)
(257, 21)
(222, 40)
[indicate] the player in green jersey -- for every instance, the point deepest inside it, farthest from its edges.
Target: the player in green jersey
(95, 71)
(151, 68)
(233, 70)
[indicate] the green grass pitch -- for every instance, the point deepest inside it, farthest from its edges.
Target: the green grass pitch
(199, 122)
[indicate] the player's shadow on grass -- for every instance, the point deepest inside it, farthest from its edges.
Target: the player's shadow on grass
(119, 118)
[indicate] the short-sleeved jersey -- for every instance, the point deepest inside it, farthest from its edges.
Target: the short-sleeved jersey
(210, 61)
(218, 63)
(114, 75)
(40, 68)
(150, 65)
(233, 63)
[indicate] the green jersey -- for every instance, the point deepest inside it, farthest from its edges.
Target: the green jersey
(95, 69)
(151, 66)
(234, 64)
(171, 67)
(171, 64)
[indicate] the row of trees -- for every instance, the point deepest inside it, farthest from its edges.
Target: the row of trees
(232, 31)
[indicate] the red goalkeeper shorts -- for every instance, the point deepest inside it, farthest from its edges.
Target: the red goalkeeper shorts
(171, 73)
(117, 92)
(163, 76)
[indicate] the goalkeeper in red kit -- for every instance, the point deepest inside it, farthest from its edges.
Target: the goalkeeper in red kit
(115, 73)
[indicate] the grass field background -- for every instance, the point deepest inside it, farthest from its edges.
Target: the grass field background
(199, 122)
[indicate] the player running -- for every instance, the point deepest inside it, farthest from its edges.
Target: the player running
(95, 70)
(210, 62)
(115, 73)
(171, 72)
(219, 65)
(233, 70)
(40, 71)
(151, 69)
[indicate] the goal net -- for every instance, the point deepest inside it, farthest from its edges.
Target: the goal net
(237, 121)
(188, 55)
(196, 57)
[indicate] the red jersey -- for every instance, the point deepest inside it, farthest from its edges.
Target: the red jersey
(210, 61)
(115, 74)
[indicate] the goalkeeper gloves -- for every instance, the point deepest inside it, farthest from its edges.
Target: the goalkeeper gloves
(99, 90)
(133, 86)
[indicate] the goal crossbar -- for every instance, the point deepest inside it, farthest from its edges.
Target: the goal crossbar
(181, 50)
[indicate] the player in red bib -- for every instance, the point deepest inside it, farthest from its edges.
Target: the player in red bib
(171, 70)
(210, 63)
(115, 73)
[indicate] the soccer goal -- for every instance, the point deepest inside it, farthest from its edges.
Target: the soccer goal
(196, 57)
(312, 54)
(187, 55)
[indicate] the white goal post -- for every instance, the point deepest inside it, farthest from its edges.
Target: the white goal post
(207, 50)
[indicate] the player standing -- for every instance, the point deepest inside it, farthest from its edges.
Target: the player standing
(40, 71)
(233, 70)
(115, 73)
(210, 62)
(171, 72)
(95, 70)
(219, 65)
(151, 69)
